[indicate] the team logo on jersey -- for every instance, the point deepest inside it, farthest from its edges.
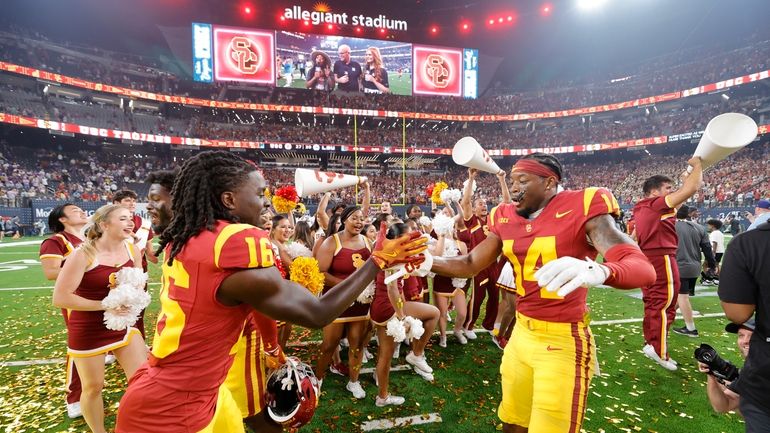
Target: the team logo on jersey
(562, 214)
(358, 261)
(529, 228)
(486, 230)
(112, 280)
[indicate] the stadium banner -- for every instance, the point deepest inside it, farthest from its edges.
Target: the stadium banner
(311, 61)
(262, 145)
(203, 53)
(438, 71)
(42, 208)
(159, 97)
(24, 214)
(246, 55)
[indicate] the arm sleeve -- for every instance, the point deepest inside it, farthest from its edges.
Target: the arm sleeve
(629, 268)
(736, 285)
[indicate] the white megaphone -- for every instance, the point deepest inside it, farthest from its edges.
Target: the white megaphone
(725, 135)
(469, 153)
(309, 182)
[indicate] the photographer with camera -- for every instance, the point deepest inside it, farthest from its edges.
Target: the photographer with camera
(744, 289)
(721, 372)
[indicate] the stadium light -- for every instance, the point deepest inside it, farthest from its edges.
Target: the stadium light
(434, 30)
(491, 22)
(382, 31)
(590, 4)
(307, 23)
(247, 10)
(329, 26)
(359, 30)
(465, 26)
(546, 10)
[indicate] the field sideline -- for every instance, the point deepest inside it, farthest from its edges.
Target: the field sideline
(631, 394)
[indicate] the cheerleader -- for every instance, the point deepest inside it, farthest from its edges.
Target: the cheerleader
(389, 303)
(83, 282)
(339, 256)
(67, 222)
(280, 231)
(450, 289)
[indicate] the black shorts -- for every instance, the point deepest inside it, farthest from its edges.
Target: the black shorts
(687, 286)
(718, 257)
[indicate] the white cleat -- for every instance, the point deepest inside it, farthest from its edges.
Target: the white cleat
(649, 352)
(460, 337)
(418, 362)
(73, 410)
(356, 390)
(469, 334)
(390, 400)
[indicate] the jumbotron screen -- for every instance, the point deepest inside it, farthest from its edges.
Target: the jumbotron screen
(331, 63)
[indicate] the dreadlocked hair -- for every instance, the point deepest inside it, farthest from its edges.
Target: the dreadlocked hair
(197, 190)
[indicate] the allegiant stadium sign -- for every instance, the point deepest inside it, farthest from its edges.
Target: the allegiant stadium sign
(322, 17)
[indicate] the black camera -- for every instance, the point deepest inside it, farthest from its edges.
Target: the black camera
(720, 368)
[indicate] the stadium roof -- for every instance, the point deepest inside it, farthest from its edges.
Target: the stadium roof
(566, 42)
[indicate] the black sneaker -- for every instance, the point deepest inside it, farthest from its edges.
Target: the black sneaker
(684, 331)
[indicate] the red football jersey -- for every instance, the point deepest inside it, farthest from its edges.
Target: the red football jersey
(195, 335)
(478, 229)
(558, 231)
(656, 226)
(59, 246)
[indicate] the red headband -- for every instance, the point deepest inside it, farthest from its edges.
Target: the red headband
(533, 167)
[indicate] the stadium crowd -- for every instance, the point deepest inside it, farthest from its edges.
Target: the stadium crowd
(658, 76)
(95, 176)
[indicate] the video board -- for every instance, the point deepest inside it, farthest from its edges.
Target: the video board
(331, 63)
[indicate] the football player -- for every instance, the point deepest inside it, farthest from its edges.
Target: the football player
(218, 266)
(551, 239)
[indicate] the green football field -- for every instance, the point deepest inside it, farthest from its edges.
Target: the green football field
(398, 86)
(632, 394)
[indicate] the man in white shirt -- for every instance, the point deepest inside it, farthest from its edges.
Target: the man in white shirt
(717, 239)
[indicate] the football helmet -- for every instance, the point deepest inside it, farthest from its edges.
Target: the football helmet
(292, 393)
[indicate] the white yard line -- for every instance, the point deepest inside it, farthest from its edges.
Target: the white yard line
(400, 367)
(20, 244)
(638, 320)
(383, 424)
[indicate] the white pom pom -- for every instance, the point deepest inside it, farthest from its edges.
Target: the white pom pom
(415, 327)
(125, 296)
(396, 330)
(459, 283)
(296, 249)
(424, 221)
(367, 296)
(443, 225)
(450, 195)
(473, 188)
(133, 277)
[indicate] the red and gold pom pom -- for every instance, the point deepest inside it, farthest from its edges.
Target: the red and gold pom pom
(305, 272)
(285, 199)
(435, 196)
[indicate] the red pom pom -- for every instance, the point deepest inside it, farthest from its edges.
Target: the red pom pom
(429, 189)
(287, 192)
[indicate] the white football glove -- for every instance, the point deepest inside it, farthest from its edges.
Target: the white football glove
(420, 271)
(566, 274)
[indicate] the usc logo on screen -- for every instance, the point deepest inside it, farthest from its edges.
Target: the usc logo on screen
(244, 55)
(437, 69)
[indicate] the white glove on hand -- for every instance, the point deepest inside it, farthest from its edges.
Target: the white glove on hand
(402, 270)
(566, 274)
